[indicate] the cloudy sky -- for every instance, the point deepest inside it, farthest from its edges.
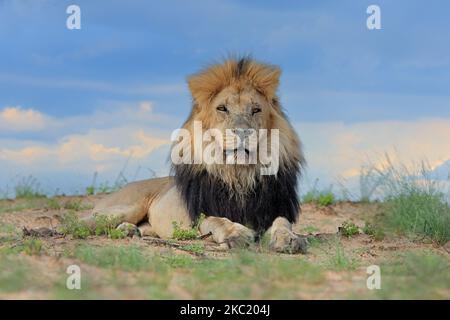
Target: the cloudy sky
(106, 98)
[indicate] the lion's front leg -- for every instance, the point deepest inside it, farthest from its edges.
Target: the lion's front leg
(224, 231)
(282, 239)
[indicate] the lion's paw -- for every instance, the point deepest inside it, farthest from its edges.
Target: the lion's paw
(129, 229)
(284, 240)
(227, 233)
(239, 236)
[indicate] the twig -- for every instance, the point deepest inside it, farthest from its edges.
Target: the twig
(204, 236)
(171, 244)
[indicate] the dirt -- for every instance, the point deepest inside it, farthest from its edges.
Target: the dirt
(315, 222)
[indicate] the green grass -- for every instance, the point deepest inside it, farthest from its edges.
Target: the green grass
(71, 225)
(196, 248)
(416, 275)
(53, 204)
(104, 226)
(14, 274)
(128, 258)
(374, 231)
(253, 275)
(31, 246)
(107, 226)
(180, 233)
(321, 198)
(420, 212)
(9, 232)
(8, 206)
(415, 203)
(132, 271)
(340, 260)
(244, 274)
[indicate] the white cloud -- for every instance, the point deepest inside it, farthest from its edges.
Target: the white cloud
(335, 149)
(17, 119)
(76, 147)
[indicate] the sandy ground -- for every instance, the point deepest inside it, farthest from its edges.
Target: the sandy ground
(314, 221)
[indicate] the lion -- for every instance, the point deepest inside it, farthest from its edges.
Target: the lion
(237, 203)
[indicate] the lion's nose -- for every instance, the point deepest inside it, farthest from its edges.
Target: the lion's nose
(243, 133)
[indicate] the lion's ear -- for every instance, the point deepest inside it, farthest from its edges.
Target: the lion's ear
(265, 79)
(204, 86)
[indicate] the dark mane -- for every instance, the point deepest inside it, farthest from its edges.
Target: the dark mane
(273, 196)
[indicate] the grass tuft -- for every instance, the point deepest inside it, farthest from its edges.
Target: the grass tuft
(321, 198)
(71, 225)
(374, 231)
(28, 188)
(416, 203)
(340, 260)
(183, 234)
(349, 229)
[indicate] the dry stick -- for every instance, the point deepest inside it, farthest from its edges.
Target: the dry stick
(171, 244)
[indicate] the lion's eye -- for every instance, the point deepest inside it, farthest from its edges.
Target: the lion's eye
(256, 110)
(222, 108)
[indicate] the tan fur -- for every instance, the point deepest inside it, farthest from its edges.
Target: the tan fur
(157, 202)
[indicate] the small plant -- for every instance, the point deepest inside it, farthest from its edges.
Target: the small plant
(325, 199)
(71, 225)
(90, 191)
(107, 226)
(187, 234)
(28, 188)
(321, 198)
(117, 234)
(183, 234)
(104, 224)
(53, 204)
(374, 231)
(349, 229)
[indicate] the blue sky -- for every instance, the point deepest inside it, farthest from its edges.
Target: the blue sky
(339, 78)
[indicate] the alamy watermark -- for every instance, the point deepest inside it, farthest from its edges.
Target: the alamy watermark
(74, 19)
(234, 147)
(73, 281)
(374, 280)
(373, 22)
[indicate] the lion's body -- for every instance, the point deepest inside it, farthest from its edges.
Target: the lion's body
(236, 95)
(151, 202)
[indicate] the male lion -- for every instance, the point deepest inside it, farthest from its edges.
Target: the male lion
(239, 203)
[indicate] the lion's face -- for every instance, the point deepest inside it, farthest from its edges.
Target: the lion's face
(239, 114)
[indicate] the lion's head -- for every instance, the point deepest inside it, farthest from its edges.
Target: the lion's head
(234, 102)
